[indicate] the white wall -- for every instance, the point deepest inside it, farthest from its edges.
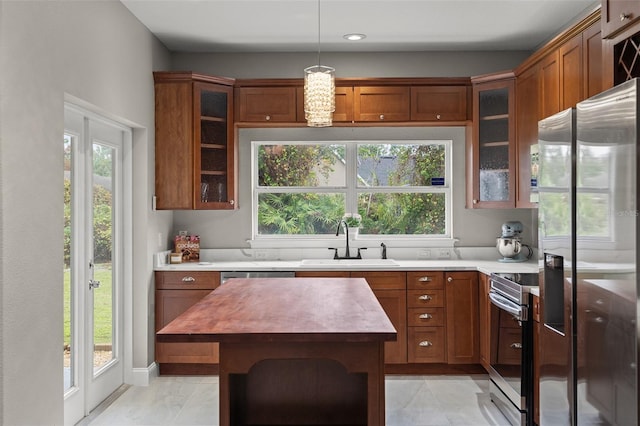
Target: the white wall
(369, 64)
(97, 52)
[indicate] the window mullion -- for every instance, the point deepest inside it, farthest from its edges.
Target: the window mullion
(351, 176)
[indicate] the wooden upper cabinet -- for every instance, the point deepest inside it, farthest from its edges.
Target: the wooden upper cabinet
(381, 103)
(618, 15)
(267, 104)
(527, 116)
(344, 104)
(439, 103)
(592, 58)
(550, 84)
(491, 159)
(571, 75)
(195, 146)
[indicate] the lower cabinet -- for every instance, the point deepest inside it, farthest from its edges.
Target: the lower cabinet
(484, 329)
(177, 291)
(461, 296)
(443, 317)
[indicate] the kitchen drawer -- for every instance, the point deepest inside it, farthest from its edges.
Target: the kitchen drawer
(383, 280)
(426, 317)
(184, 280)
(510, 346)
(420, 280)
(427, 344)
(422, 298)
(508, 321)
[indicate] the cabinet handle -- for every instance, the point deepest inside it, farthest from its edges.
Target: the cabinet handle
(425, 316)
(425, 343)
(516, 346)
(450, 279)
(381, 116)
(625, 16)
(188, 280)
(425, 297)
(437, 116)
(475, 201)
(268, 117)
(425, 279)
(232, 202)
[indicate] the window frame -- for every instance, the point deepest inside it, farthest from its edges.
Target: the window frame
(352, 191)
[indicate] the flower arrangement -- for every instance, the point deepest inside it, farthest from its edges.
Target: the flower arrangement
(353, 220)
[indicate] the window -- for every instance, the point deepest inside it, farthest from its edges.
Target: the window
(400, 188)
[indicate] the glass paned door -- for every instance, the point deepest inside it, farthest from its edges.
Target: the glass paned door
(93, 281)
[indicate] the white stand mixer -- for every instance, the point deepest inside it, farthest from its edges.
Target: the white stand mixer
(510, 243)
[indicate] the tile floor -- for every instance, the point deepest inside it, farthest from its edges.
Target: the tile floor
(410, 401)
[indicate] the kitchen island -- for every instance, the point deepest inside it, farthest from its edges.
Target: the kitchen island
(305, 351)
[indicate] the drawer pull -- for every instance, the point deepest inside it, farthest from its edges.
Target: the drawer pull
(425, 343)
(516, 346)
(381, 116)
(450, 279)
(188, 280)
(425, 297)
(426, 316)
(268, 118)
(425, 279)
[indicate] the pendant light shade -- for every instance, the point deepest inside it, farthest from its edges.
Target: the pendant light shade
(319, 91)
(319, 95)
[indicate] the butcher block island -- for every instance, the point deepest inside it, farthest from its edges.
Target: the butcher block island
(303, 351)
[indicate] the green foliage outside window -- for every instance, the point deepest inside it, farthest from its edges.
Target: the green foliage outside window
(387, 198)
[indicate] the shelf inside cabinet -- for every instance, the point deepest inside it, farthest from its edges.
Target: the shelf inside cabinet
(216, 119)
(212, 146)
(496, 143)
(495, 117)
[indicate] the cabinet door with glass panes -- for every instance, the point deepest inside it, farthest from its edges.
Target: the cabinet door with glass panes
(195, 148)
(491, 154)
(214, 148)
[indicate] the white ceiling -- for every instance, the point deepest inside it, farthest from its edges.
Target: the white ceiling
(390, 25)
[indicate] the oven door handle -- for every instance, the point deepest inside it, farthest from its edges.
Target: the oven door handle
(507, 305)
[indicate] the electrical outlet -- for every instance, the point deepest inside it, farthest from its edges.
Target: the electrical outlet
(444, 253)
(424, 254)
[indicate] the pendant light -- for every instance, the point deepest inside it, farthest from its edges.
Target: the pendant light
(319, 91)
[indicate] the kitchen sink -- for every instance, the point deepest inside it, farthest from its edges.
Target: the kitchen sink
(348, 262)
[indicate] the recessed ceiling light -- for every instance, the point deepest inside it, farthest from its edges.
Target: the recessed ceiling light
(354, 37)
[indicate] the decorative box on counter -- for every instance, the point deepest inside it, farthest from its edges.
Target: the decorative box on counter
(189, 246)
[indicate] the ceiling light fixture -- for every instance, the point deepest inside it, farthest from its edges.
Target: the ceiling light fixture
(354, 37)
(319, 91)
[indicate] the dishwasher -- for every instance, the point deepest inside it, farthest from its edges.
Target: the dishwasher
(225, 275)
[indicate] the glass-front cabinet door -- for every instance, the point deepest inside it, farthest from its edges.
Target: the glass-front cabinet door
(213, 149)
(492, 153)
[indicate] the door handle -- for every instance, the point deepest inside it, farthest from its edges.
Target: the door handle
(93, 284)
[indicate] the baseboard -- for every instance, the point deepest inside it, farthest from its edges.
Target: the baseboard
(143, 376)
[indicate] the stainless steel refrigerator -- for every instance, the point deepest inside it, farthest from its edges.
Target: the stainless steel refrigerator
(589, 329)
(556, 191)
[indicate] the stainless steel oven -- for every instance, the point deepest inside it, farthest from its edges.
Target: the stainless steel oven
(511, 350)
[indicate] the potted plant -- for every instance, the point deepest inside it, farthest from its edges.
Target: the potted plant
(353, 221)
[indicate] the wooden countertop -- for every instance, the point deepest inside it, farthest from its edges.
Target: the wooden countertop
(284, 310)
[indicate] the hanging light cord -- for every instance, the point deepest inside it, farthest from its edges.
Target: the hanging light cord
(318, 33)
